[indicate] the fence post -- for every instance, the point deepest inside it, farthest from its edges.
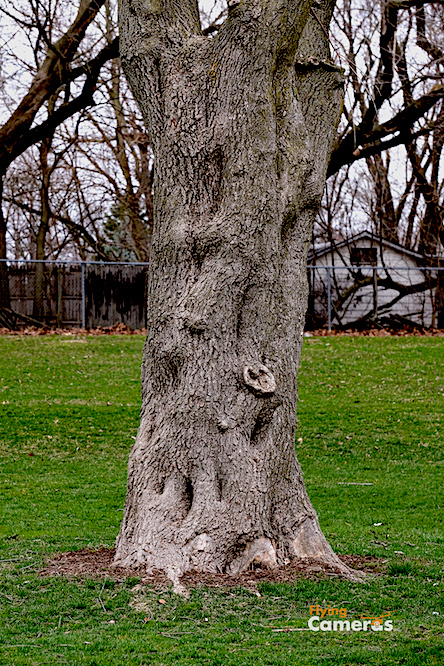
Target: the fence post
(83, 296)
(59, 296)
(375, 293)
(329, 297)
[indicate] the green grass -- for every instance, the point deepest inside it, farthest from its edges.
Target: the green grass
(369, 412)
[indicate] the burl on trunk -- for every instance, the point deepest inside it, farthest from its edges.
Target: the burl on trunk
(242, 126)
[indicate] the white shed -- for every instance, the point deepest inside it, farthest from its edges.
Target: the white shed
(366, 278)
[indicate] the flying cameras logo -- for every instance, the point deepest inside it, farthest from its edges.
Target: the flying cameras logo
(317, 622)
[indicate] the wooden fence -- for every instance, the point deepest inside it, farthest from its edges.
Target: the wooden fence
(88, 294)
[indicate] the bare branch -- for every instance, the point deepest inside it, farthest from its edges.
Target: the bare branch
(68, 109)
(48, 78)
(408, 4)
(347, 153)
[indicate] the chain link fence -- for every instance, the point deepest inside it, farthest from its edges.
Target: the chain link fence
(350, 297)
(98, 294)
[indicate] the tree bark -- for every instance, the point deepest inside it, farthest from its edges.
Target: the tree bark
(242, 127)
(138, 231)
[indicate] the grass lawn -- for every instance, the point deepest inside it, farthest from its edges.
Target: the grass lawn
(370, 412)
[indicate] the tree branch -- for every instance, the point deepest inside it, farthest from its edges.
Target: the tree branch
(75, 229)
(48, 78)
(278, 22)
(150, 31)
(421, 39)
(408, 4)
(347, 151)
(68, 109)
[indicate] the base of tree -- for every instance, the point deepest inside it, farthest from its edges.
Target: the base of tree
(99, 563)
(259, 558)
(205, 554)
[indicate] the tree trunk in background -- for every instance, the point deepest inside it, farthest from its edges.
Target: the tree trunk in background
(439, 299)
(5, 297)
(386, 220)
(139, 232)
(242, 127)
(40, 241)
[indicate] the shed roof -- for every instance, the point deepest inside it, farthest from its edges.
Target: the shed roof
(326, 248)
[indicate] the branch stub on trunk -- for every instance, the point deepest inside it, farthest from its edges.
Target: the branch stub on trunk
(259, 379)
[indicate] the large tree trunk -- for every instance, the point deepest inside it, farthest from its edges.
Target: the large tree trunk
(242, 127)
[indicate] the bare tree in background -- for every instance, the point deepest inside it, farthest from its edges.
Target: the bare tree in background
(391, 133)
(377, 42)
(56, 67)
(89, 114)
(375, 53)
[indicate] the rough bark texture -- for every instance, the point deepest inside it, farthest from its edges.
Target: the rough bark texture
(242, 127)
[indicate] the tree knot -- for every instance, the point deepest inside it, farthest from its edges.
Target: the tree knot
(259, 379)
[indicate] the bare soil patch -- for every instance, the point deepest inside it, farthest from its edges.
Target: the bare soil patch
(88, 563)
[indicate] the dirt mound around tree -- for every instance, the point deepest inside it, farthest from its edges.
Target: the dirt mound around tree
(87, 563)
